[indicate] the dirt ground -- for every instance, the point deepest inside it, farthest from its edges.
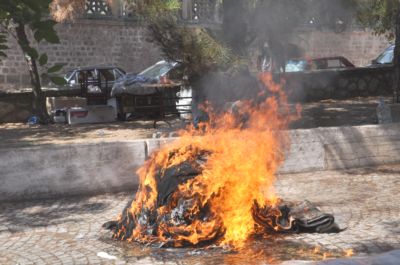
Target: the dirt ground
(327, 113)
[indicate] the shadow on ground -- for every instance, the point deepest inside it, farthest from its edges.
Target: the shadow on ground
(30, 135)
(21, 215)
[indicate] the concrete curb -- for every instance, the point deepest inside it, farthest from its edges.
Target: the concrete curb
(40, 172)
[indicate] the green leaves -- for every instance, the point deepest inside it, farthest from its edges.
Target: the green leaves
(50, 75)
(43, 59)
(32, 52)
(44, 30)
(379, 15)
(58, 80)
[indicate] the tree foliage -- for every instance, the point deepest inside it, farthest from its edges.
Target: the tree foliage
(197, 48)
(379, 15)
(18, 16)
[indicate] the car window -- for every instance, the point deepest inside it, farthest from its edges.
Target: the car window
(68, 75)
(319, 64)
(106, 75)
(386, 57)
(90, 75)
(157, 70)
(334, 63)
(72, 79)
(296, 65)
(117, 74)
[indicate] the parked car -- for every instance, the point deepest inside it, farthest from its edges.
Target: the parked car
(336, 62)
(94, 82)
(161, 72)
(135, 97)
(93, 75)
(385, 58)
(163, 69)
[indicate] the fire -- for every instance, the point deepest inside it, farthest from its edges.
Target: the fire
(349, 253)
(224, 166)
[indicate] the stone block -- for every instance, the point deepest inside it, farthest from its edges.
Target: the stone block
(152, 145)
(331, 164)
(48, 171)
(304, 157)
(13, 79)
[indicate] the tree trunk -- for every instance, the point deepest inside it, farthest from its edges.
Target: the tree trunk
(39, 100)
(396, 60)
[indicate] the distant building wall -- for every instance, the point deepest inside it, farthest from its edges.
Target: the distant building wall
(359, 46)
(84, 43)
(125, 43)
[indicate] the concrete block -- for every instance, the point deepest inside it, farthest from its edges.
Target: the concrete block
(350, 150)
(331, 164)
(152, 145)
(302, 136)
(336, 135)
(49, 171)
(395, 111)
(304, 157)
(389, 149)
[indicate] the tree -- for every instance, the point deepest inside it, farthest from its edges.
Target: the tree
(379, 15)
(18, 18)
(383, 17)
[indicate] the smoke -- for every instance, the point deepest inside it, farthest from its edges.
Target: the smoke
(266, 29)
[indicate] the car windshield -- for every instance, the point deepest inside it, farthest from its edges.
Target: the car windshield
(295, 65)
(157, 70)
(386, 57)
(68, 75)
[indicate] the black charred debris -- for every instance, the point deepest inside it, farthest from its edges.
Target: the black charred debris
(284, 218)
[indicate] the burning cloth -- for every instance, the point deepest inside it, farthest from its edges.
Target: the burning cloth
(215, 183)
(181, 218)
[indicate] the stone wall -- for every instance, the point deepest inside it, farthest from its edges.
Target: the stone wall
(51, 171)
(125, 44)
(343, 147)
(359, 46)
(339, 84)
(84, 43)
(15, 107)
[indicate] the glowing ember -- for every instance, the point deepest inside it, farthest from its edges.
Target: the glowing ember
(215, 183)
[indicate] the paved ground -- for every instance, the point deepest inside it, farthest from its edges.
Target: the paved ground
(326, 113)
(68, 231)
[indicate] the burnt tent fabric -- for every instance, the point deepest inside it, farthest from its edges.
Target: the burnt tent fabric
(167, 222)
(287, 217)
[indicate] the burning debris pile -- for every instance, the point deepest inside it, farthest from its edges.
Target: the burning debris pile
(215, 184)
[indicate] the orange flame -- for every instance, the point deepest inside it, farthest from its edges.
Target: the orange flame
(246, 147)
(349, 253)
